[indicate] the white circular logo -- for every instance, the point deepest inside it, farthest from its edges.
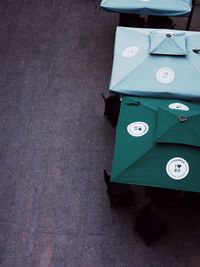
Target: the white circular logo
(177, 168)
(138, 128)
(165, 75)
(179, 106)
(130, 51)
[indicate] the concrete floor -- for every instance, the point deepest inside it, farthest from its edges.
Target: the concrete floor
(56, 59)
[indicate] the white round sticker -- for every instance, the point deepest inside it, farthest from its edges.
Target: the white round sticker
(165, 75)
(138, 128)
(130, 51)
(177, 168)
(179, 106)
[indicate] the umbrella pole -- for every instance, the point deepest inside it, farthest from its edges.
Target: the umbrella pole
(120, 19)
(190, 16)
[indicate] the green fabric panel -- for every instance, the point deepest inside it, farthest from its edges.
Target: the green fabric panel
(171, 130)
(125, 143)
(151, 169)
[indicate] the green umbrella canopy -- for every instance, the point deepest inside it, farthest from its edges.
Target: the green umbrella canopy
(158, 144)
(179, 127)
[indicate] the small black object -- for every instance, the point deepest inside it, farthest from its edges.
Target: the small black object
(112, 108)
(182, 118)
(162, 196)
(149, 225)
(119, 194)
(197, 51)
(168, 35)
(133, 103)
(160, 22)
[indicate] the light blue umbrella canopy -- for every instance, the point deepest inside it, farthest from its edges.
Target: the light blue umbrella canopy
(149, 7)
(156, 63)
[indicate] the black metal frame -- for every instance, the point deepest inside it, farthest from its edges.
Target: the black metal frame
(190, 16)
(129, 20)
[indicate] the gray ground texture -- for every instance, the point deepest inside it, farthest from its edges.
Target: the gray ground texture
(56, 59)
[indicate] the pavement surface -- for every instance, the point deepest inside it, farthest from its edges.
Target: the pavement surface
(56, 59)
